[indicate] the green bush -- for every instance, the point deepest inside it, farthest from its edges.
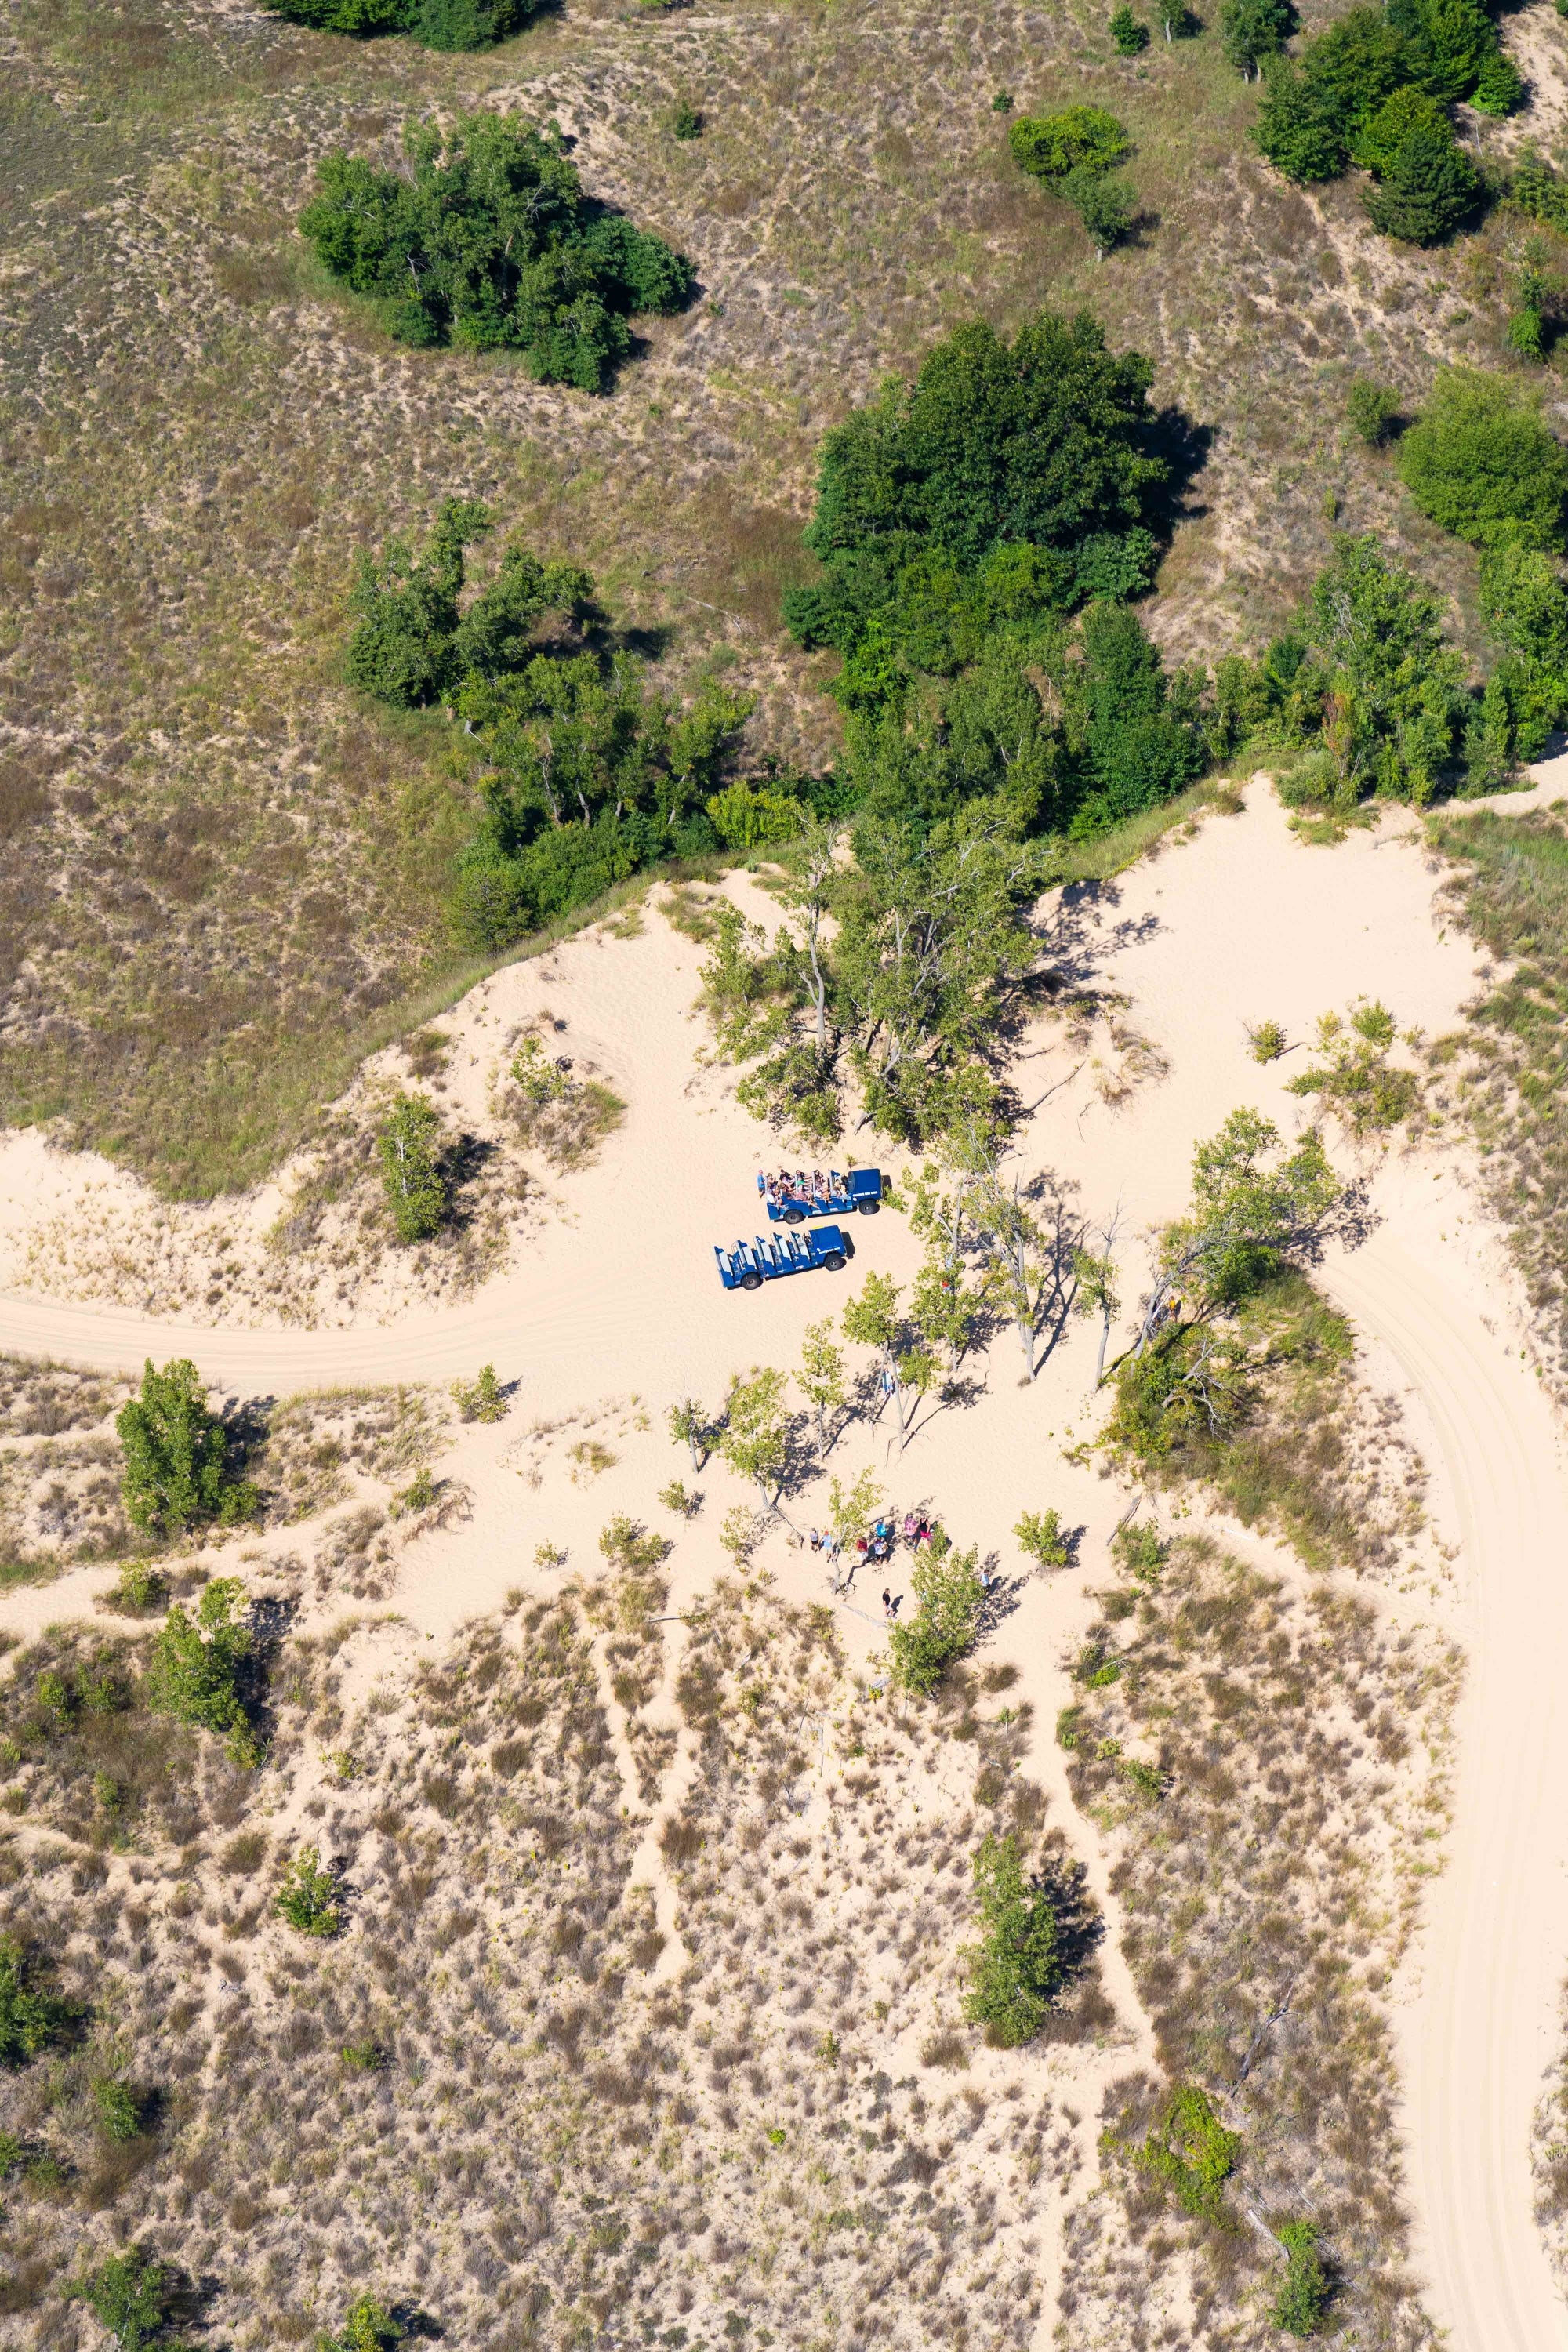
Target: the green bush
(1374, 411)
(128, 2294)
(415, 1182)
(118, 2109)
(1129, 32)
(1254, 30)
(1481, 462)
(1018, 1967)
(686, 123)
(175, 1471)
(435, 24)
(1355, 1080)
(1189, 2151)
(308, 1897)
(1105, 203)
(1040, 1533)
(194, 1668)
(1050, 146)
(1302, 2303)
(1428, 188)
(488, 242)
(368, 2326)
(481, 1398)
(30, 2018)
(948, 1594)
(1294, 131)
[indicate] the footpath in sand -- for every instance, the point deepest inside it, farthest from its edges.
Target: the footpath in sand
(617, 1297)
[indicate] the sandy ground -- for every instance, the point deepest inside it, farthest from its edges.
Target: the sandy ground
(615, 1310)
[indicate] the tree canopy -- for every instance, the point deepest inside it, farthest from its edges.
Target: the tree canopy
(1481, 462)
(435, 24)
(487, 242)
(175, 1469)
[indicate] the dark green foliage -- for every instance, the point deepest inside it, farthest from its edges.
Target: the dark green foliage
(1189, 2150)
(1017, 1969)
(1050, 146)
(1349, 69)
(1448, 45)
(1379, 138)
(417, 1191)
(119, 2108)
(1429, 190)
(405, 610)
(1374, 411)
(196, 1666)
(435, 24)
(686, 123)
(129, 2296)
(1394, 694)
(1525, 606)
(30, 2018)
(488, 243)
(1140, 742)
(1481, 462)
(1252, 30)
(1006, 483)
(309, 1897)
(1297, 134)
(1129, 32)
(176, 1473)
(1500, 87)
(1105, 203)
(1302, 2303)
(1536, 189)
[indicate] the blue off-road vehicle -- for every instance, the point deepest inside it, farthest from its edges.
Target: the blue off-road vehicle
(750, 1263)
(792, 1196)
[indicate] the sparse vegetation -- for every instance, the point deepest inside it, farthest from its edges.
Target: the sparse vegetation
(482, 1398)
(1356, 1080)
(309, 1897)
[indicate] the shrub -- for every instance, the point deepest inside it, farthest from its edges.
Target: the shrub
(1355, 1080)
(629, 1546)
(1141, 1551)
(368, 2326)
(1266, 1042)
(481, 1398)
(1480, 462)
(1129, 32)
(1252, 30)
(138, 1589)
(418, 1495)
(129, 2296)
(1040, 1535)
(538, 1079)
(1105, 203)
(30, 2018)
(1295, 131)
(308, 1897)
(435, 24)
(949, 1594)
(118, 2109)
(1016, 1969)
(195, 1661)
(1189, 2151)
(686, 123)
(1373, 411)
(675, 1497)
(1050, 146)
(411, 1172)
(175, 1469)
(488, 241)
(364, 2057)
(1302, 2303)
(738, 1532)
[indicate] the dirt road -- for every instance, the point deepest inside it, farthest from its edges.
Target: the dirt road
(1481, 2029)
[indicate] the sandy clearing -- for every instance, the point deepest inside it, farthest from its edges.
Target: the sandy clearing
(1240, 923)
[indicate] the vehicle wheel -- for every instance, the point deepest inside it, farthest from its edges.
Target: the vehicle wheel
(835, 1261)
(795, 1216)
(868, 1208)
(750, 1279)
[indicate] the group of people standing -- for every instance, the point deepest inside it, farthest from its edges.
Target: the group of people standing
(877, 1545)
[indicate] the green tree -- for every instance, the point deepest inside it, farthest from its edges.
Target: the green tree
(1382, 135)
(174, 1471)
(754, 1438)
(195, 1665)
(1040, 1533)
(1129, 32)
(1353, 65)
(411, 1173)
(689, 1426)
(1394, 695)
(1018, 1965)
(435, 24)
(488, 241)
(1075, 138)
(1428, 189)
(1481, 462)
(482, 1399)
(1094, 1273)
(873, 1321)
(128, 2294)
(30, 2017)
(405, 610)
(1295, 130)
(1103, 202)
(949, 1596)
(821, 1380)
(852, 1509)
(309, 1897)
(1139, 742)
(1252, 30)
(1302, 2303)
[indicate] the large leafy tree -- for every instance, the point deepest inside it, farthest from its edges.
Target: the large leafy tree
(435, 24)
(1481, 462)
(488, 241)
(1253, 30)
(1040, 446)
(1018, 1967)
(1428, 188)
(195, 1663)
(175, 1469)
(1392, 694)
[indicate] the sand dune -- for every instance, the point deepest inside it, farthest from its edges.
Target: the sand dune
(1240, 923)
